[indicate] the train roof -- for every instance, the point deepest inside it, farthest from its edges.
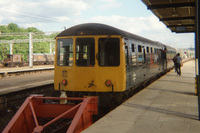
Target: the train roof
(170, 48)
(102, 29)
(99, 29)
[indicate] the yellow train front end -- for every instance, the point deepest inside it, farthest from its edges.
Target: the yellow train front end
(88, 64)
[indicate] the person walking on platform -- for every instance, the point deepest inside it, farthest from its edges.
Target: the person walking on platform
(174, 60)
(178, 64)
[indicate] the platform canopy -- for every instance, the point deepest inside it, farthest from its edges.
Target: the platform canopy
(177, 15)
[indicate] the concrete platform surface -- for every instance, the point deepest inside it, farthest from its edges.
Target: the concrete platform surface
(169, 105)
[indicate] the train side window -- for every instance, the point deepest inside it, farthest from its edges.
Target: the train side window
(133, 47)
(147, 49)
(139, 48)
(155, 50)
(85, 52)
(109, 51)
(151, 50)
(65, 52)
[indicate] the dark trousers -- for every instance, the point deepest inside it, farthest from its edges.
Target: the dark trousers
(178, 68)
(175, 66)
(164, 64)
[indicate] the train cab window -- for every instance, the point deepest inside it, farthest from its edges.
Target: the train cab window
(65, 52)
(147, 49)
(109, 51)
(139, 48)
(85, 52)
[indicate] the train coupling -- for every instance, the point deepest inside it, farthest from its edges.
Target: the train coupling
(63, 94)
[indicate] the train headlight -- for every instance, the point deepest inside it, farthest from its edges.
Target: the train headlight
(64, 82)
(108, 83)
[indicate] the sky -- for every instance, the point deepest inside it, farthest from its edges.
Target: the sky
(56, 15)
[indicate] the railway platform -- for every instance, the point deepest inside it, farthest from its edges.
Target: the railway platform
(16, 71)
(169, 105)
(23, 78)
(23, 82)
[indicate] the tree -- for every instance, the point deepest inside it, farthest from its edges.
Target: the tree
(40, 47)
(12, 27)
(32, 29)
(3, 29)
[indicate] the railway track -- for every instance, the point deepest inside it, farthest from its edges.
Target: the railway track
(10, 103)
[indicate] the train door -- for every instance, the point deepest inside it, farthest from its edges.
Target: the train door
(109, 67)
(133, 55)
(139, 55)
(144, 66)
(84, 73)
(128, 68)
(144, 54)
(133, 64)
(148, 56)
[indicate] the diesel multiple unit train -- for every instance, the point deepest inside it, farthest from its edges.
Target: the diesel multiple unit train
(99, 60)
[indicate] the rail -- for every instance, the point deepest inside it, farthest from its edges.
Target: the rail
(28, 117)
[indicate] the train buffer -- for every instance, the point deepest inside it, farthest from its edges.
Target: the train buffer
(37, 116)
